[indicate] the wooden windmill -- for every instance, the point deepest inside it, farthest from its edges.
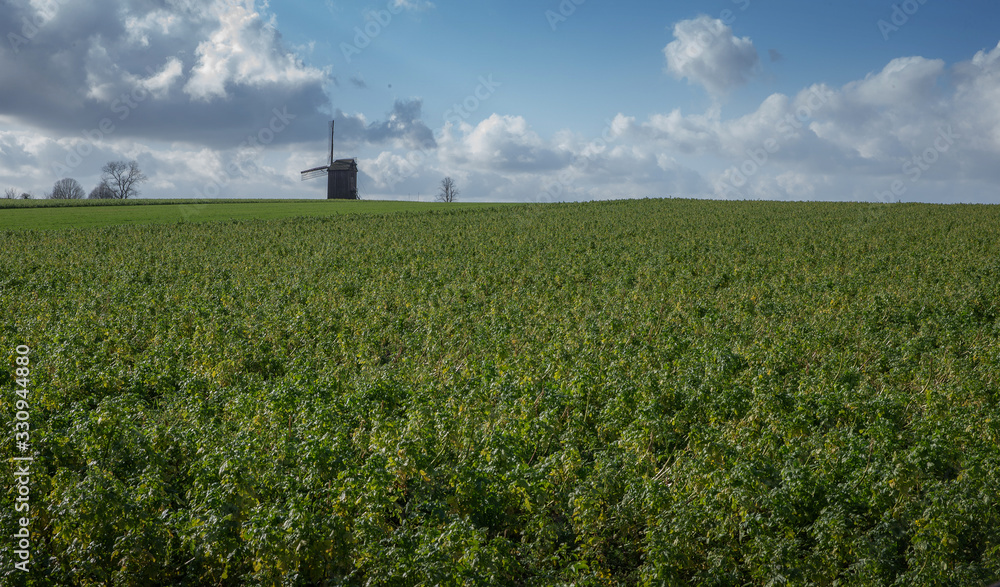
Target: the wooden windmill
(341, 176)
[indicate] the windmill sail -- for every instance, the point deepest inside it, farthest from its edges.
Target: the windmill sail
(315, 172)
(320, 171)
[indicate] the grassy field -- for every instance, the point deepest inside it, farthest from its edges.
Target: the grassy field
(655, 392)
(59, 214)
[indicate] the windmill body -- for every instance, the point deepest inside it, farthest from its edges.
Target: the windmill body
(341, 176)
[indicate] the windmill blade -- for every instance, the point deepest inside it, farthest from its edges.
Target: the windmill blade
(315, 172)
(331, 142)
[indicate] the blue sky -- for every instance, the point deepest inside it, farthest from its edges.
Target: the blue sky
(604, 59)
(819, 100)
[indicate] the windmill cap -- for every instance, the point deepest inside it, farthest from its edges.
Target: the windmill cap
(344, 165)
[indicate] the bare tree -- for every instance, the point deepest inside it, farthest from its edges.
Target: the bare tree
(103, 191)
(10, 194)
(448, 193)
(123, 177)
(66, 189)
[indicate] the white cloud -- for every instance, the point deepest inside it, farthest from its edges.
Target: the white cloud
(693, 134)
(102, 72)
(503, 143)
(706, 52)
(977, 94)
(902, 81)
(413, 4)
(159, 84)
(388, 168)
(158, 22)
(241, 51)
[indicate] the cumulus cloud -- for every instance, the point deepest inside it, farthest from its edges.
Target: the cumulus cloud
(389, 169)
(243, 50)
(159, 84)
(902, 81)
(567, 167)
(706, 52)
(198, 72)
(977, 94)
(914, 130)
(402, 127)
(502, 143)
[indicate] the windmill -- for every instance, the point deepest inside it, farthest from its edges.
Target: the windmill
(341, 175)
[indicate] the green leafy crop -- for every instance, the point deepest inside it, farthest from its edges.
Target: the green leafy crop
(655, 392)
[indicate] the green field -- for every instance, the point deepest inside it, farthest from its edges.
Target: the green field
(653, 392)
(59, 214)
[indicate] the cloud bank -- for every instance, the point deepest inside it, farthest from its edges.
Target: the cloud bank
(194, 72)
(915, 130)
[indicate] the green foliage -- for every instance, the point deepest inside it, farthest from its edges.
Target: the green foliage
(657, 392)
(67, 214)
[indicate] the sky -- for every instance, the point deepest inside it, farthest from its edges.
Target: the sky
(516, 100)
